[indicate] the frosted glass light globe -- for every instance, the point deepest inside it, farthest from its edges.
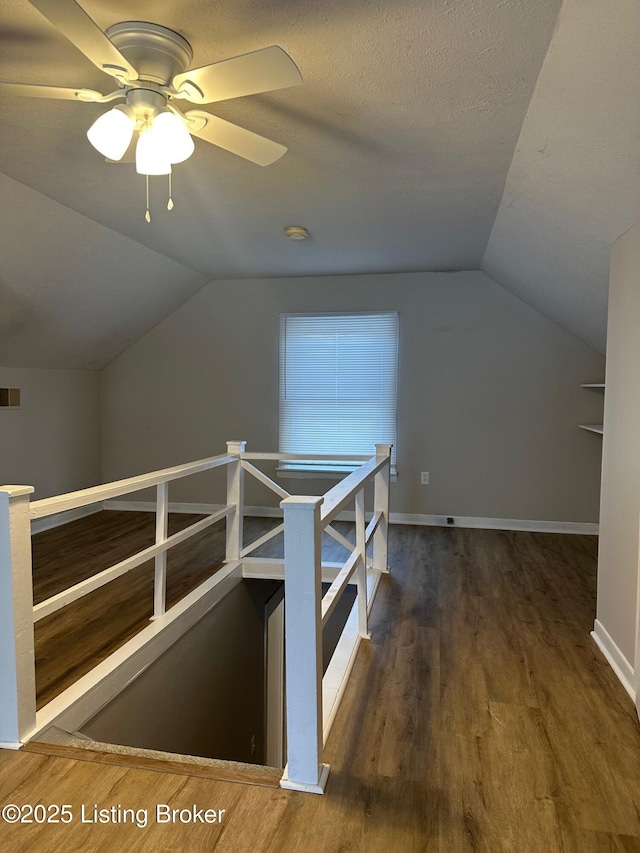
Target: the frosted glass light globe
(111, 133)
(151, 156)
(176, 139)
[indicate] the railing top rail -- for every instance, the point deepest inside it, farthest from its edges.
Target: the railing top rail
(85, 497)
(336, 498)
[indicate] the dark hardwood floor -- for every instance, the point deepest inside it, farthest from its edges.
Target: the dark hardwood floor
(480, 716)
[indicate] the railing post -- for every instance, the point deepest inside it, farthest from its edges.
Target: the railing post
(361, 571)
(381, 504)
(235, 498)
(160, 580)
(303, 644)
(17, 658)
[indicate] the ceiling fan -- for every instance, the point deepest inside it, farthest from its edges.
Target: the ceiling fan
(150, 64)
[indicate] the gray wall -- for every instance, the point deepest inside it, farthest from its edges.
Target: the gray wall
(620, 508)
(53, 441)
(489, 396)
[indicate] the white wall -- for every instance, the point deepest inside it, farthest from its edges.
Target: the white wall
(53, 441)
(489, 397)
(620, 505)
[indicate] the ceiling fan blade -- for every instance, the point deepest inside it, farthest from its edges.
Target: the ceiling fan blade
(30, 90)
(74, 23)
(261, 71)
(232, 138)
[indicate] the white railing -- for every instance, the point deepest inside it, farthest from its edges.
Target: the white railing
(305, 518)
(18, 718)
(159, 479)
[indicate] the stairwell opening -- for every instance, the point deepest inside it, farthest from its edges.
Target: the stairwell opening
(217, 693)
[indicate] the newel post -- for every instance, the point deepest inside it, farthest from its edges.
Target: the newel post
(381, 504)
(17, 659)
(303, 645)
(235, 498)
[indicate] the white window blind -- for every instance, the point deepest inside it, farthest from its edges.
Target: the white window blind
(338, 384)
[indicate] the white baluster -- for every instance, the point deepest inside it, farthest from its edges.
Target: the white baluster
(235, 498)
(162, 521)
(381, 504)
(361, 571)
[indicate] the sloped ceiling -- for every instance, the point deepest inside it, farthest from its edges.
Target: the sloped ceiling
(74, 294)
(400, 142)
(574, 183)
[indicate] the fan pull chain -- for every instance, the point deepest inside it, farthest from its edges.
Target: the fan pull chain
(147, 215)
(170, 202)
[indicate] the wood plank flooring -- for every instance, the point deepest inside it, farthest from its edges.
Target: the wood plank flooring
(480, 717)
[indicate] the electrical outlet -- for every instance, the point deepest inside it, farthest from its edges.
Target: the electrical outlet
(424, 478)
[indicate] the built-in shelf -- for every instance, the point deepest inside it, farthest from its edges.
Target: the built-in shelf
(597, 428)
(593, 428)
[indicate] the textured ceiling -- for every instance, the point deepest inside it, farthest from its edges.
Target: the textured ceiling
(400, 142)
(400, 137)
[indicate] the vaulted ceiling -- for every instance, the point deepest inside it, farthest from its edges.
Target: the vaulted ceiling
(574, 183)
(427, 135)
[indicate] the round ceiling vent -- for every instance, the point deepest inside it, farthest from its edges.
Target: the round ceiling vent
(296, 232)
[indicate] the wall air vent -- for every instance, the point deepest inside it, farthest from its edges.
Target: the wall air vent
(9, 398)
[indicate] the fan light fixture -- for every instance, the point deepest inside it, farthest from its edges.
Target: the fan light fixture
(150, 65)
(163, 138)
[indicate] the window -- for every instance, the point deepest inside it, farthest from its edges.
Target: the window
(338, 385)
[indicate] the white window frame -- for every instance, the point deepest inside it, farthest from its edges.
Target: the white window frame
(329, 469)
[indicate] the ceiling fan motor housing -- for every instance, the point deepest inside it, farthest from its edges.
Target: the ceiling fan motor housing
(146, 103)
(157, 52)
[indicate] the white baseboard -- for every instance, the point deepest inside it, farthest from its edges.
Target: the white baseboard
(617, 661)
(39, 525)
(495, 523)
(394, 517)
